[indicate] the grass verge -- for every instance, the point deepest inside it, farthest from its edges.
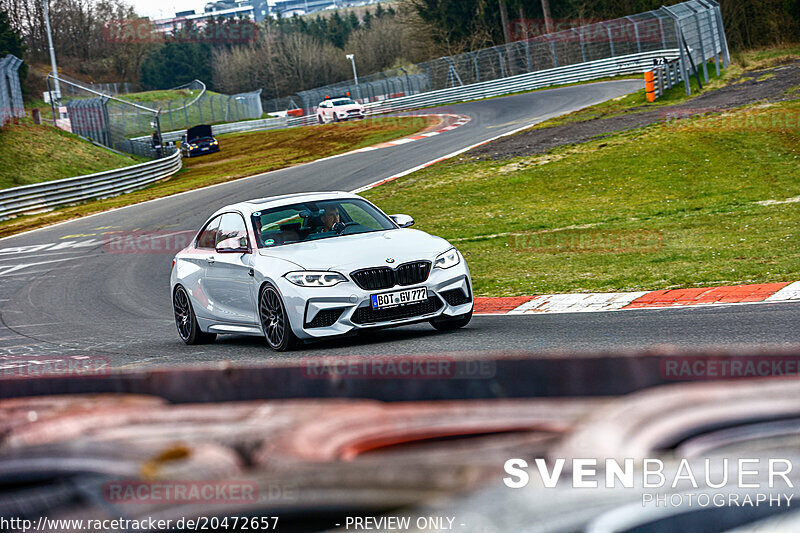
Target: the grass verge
(241, 155)
(670, 205)
(37, 153)
(742, 62)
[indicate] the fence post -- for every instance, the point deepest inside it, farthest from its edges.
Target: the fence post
(713, 39)
(702, 45)
(610, 39)
(502, 63)
(714, 36)
(723, 39)
(636, 32)
(683, 51)
(583, 45)
(185, 114)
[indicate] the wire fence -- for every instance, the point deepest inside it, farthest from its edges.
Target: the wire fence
(117, 122)
(694, 27)
(11, 105)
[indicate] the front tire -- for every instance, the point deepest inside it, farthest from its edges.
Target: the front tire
(275, 321)
(186, 321)
(448, 324)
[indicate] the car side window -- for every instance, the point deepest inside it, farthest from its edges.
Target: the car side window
(231, 226)
(357, 214)
(208, 237)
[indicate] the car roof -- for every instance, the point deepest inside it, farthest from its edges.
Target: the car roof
(251, 206)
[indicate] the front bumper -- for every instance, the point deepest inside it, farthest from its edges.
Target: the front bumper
(199, 151)
(317, 312)
(351, 116)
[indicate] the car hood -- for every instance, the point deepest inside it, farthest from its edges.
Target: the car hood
(351, 252)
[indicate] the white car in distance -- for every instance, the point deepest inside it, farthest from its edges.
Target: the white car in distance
(339, 109)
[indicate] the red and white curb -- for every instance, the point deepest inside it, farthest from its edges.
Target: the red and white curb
(621, 301)
(456, 122)
(452, 121)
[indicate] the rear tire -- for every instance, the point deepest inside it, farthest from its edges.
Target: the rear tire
(186, 321)
(274, 320)
(448, 324)
(320, 119)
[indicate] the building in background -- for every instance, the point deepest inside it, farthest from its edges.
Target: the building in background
(255, 10)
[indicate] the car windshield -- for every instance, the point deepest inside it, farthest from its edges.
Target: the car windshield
(309, 221)
(343, 101)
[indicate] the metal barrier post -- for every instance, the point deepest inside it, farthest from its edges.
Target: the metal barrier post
(726, 55)
(700, 38)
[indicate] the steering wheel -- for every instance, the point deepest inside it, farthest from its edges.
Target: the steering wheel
(340, 227)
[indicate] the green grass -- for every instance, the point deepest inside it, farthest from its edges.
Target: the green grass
(638, 100)
(689, 187)
(242, 154)
(246, 154)
(161, 96)
(33, 154)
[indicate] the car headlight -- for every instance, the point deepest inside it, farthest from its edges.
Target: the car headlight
(315, 279)
(447, 259)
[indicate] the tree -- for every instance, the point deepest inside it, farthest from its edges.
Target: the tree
(10, 38)
(548, 18)
(353, 21)
(176, 63)
(11, 43)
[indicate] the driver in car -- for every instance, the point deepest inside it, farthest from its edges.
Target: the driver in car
(329, 218)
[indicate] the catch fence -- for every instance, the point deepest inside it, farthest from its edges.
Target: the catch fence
(11, 105)
(694, 28)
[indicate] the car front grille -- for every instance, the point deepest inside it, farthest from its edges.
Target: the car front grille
(455, 297)
(325, 318)
(378, 278)
(368, 315)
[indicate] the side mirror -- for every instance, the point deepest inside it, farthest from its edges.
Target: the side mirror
(234, 245)
(404, 221)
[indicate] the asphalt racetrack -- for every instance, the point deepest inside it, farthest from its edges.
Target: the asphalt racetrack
(68, 296)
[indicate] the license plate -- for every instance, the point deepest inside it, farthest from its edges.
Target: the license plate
(205, 148)
(392, 299)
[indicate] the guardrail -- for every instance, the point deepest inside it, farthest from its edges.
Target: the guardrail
(664, 76)
(621, 65)
(45, 196)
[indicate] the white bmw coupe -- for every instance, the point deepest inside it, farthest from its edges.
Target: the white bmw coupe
(314, 265)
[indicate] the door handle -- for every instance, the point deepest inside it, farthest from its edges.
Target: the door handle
(210, 260)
